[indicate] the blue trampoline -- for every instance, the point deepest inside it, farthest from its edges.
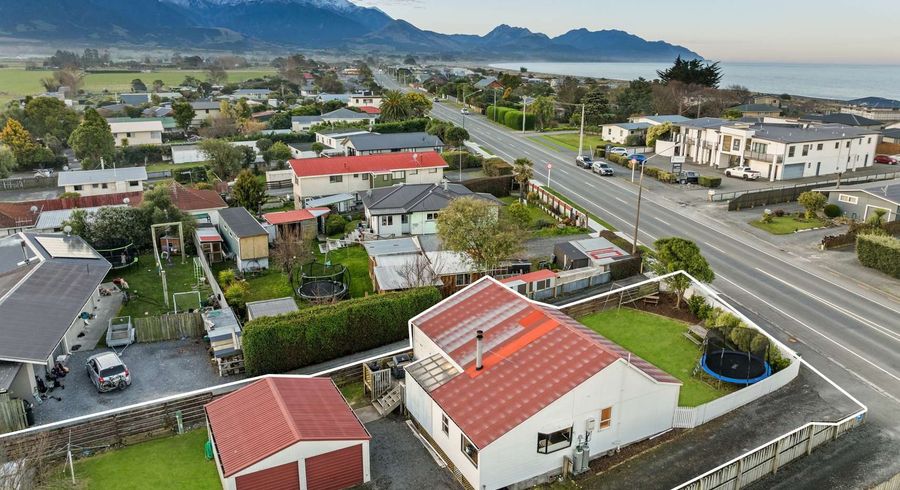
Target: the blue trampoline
(735, 367)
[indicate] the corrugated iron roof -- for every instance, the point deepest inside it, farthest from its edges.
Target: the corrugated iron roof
(533, 355)
(294, 215)
(383, 162)
(272, 414)
(538, 275)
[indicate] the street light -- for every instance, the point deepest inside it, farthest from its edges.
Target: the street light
(464, 125)
(637, 216)
(524, 108)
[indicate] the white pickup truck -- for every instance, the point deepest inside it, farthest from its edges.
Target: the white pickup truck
(745, 173)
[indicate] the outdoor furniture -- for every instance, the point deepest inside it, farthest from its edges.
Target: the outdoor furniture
(696, 334)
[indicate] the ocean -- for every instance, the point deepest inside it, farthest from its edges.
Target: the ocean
(812, 80)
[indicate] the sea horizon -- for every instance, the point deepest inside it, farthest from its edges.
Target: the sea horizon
(829, 81)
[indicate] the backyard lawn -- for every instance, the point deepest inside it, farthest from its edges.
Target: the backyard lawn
(542, 223)
(570, 141)
(356, 260)
(173, 462)
(785, 225)
(659, 341)
(593, 216)
(145, 286)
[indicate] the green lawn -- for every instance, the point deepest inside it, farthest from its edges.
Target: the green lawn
(659, 341)
(540, 219)
(355, 394)
(593, 216)
(160, 166)
(356, 260)
(146, 286)
(570, 141)
(786, 225)
(173, 462)
(16, 82)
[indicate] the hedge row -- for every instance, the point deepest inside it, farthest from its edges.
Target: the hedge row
(469, 160)
(495, 186)
(322, 333)
(879, 252)
(849, 238)
(407, 126)
(662, 175)
(509, 117)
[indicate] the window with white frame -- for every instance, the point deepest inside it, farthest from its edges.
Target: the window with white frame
(387, 220)
(605, 418)
(462, 279)
(848, 199)
(554, 441)
(791, 150)
(541, 285)
(334, 179)
(819, 147)
(469, 449)
(399, 174)
(431, 216)
(736, 145)
(445, 424)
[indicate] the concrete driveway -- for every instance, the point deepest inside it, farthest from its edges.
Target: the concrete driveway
(400, 461)
(158, 369)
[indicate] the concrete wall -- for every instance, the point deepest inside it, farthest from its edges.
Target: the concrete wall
(298, 453)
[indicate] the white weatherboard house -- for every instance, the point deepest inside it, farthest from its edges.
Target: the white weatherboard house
(782, 152)
(288, 433)
(133, 133)
(619, 132)
(320, 177)
(103, 181)
(506, 388)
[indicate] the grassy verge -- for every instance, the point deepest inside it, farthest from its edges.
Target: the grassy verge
(541, 140)
(146, 285)
(355, 394)
(659, 341)
(570, 140)
(173, 462)
(785, 225)
(593, 216)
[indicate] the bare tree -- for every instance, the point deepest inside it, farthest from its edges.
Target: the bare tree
(33, 463)
(290, 250)
(418, 272)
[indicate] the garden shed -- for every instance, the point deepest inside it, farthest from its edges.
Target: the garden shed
(288, 433)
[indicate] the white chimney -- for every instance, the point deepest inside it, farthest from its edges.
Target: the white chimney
(479, 350)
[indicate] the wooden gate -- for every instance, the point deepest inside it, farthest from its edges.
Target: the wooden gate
(12, 414)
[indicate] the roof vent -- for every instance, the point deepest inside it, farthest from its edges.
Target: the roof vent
(479, 350)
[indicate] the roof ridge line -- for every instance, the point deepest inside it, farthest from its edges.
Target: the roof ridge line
(276, 393)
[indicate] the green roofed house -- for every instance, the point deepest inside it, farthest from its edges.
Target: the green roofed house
(168, 123)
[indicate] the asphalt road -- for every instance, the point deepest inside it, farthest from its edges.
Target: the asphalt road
(850, 333)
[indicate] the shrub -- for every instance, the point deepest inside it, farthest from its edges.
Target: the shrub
(832, 210)
(779, 212)
(652, 171)
(699, 306)
(236, 294)
(495, 186)
(513, 120)
(469, 160)
(322, 333)
(407, 126)
(634, 140)
(226, 277)
(335, 224)
(495, 167)
(879, 252)
(711, 182)
(663, 176)
(766, 217)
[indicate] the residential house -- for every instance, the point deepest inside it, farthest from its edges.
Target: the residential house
(203, 110)
(48, 214)
(364, 99)
(326, 97)
(294, 433)
(860, 201)
(247, 240)
(103, 181)
(412, 209)
(300, 124)
(374, 143)
(619, 132)
(659, 119)
(203, 204)
(334, 138)
(339, 116)
(307, 222)
(697, 140)
(588, 252)
(891, 135)
(757, 110)
(319, 177)
(843, 119)
(302, 150)
(782, 152)
(878, 108)
(488, 83)
(168, 123)
(137, 132)
(257, 94)
(371, 110)
(505, 388)
(271, 307)
(771, 100)
(47, 282)
(134, 99)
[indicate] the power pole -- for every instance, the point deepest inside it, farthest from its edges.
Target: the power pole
(581, 136)
(637, 216)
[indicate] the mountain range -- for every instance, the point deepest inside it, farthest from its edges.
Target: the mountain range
(301, 24)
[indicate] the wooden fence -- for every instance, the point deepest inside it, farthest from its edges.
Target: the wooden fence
(611, 300)
(738, 200)
(12, 414)
(168, 327)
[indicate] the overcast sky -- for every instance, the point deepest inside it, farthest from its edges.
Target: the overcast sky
(840, 31)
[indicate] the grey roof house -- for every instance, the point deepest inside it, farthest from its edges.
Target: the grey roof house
(860, 201)
(412, 209)
(247, 240)
(844, 119)
(371, 143)
(47, 281)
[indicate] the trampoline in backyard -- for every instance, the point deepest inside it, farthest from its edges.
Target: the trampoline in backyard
(119, 255)
(322, 282)
(735, 367)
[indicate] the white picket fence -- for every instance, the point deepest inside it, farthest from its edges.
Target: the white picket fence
(690, 417)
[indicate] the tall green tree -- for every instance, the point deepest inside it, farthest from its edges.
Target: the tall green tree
(216, 75)
(7, 162)
(92, 140)
(596, 107)
(394, 106)
(183, 113)
(523, 171)
(137, 85)
(455, 136)
(225, 159)
(45, 116)
(543, 108)
(677, 254)
(278, 154)
(813, 202)
(249, 191)
(19, 140)
(418, 104)
(476, 228)
(692, 72)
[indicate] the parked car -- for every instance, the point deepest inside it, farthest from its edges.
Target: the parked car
(689, 177)
(43, 172)
(888, 159)
(464, 111)
(436, 99)
(640, 159)
(602, 168)
(745, 173)
(618, 150)
(584, 161)
(107, 371)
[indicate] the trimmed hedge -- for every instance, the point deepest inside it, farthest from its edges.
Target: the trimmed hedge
(407, 126)
(711, 182)
(469, 160)
(832, 210)
(495, 186)
(509, 117)
(321, 333)
(880, 253)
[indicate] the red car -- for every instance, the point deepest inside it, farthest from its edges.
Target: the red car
(885, 159)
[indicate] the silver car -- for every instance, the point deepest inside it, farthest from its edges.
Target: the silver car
(108, 372)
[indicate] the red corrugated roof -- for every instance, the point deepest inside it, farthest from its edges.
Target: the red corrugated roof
(190, 199)
(294, 216)
(533, 355)
(535, 276)
(272, 414)
(370, 109)
(382, 162)
(13, 214)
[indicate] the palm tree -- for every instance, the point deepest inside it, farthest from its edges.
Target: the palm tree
(877, 219)
(543, 107)
(394, 106)
(523, 171)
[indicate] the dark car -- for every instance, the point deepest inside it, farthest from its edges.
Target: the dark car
(885, 159)
(689, 177)
(584, 161)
